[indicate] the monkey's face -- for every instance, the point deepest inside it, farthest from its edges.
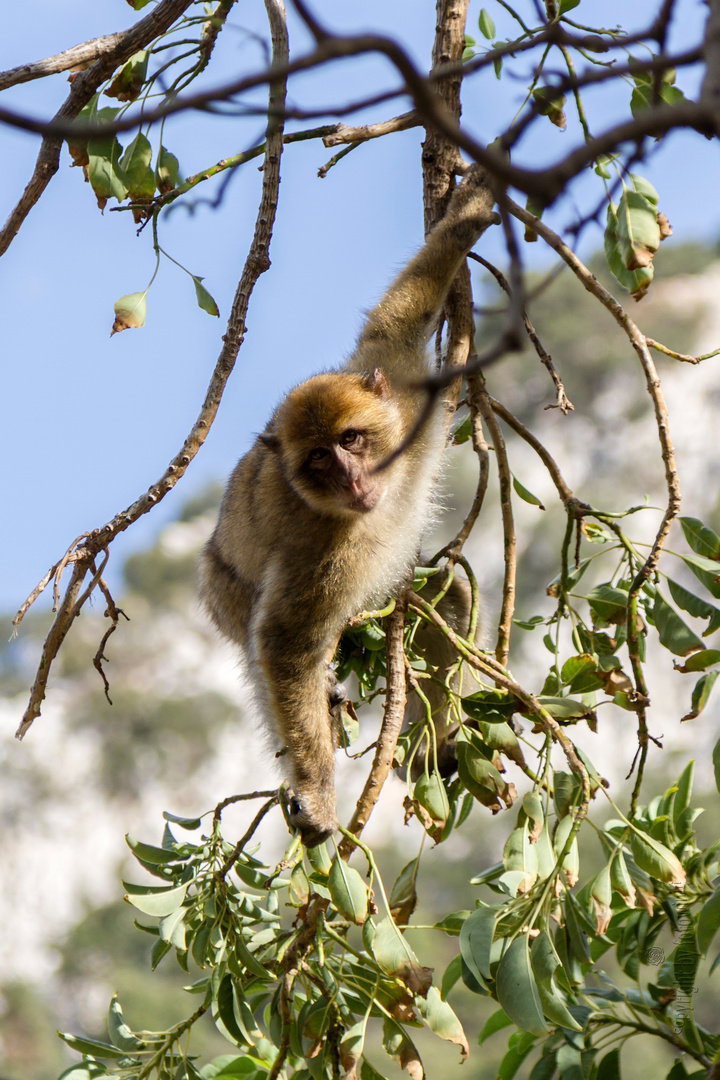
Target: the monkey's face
(331, 432)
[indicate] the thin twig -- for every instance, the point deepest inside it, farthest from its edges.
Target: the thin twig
(234, 855)
(343, 133)
(478, 393)
(482, 450)
(652, 344)
(562, 401)
(548, 461)
(217, 814)
(112, 612)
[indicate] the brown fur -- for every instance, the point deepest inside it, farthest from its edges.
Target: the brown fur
(304, 540)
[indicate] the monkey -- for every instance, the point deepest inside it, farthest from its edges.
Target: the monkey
(310, 531)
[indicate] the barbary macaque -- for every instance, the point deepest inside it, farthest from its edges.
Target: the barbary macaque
(311, 532)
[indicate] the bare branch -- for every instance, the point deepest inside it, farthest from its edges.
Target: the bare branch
(256, 263)
(78, 57)
(564, 491)
(562, 401)
(345, 134)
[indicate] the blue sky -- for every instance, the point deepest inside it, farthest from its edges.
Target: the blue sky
(88, 421)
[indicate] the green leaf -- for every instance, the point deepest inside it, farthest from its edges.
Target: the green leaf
(643, 97)
(204, 299)
(129, 81)
(495, 1022)
(695, 606)
(567, 5)
(229, 1065)
(348, 891)
(392, 952)
(172, 929)
(674, 634)
(545, 960)
(564, 708)
(699, 661)
(148, 854)
(520, 855)
(686, 960)
(492, 706)
(485, 25)
(637, 282)
(244, 1015)
(183, 822)
(609, 1067)
(90, 1046)
(655, 859)
(516, 989)
(525, 495)
(104, 171)
(705, 570)
(223, 1012)
(136, 5)
(167, 171)
(451, 975)
(638, 231)
(135, 164)
(708, 922)
(399, 1047)
(120, 1034)
(520, 1044)
(461, 434)
(403, 894)
(441, 1020)
(607, 603)
(475, 941)
(84, 1070)
(158, 902)
(716, 763)
(247, 960)
(430, 793)
(703, 540)
(319, 859)
(701, 694)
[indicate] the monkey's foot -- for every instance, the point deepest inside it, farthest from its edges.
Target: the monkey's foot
(312, 814)
(337, 691)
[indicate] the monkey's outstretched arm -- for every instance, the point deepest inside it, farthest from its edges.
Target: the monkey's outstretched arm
(405, 316)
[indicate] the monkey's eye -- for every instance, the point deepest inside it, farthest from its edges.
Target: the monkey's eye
(318, 453)
(349, 437)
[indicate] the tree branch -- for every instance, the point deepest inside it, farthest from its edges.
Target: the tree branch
(256, 263)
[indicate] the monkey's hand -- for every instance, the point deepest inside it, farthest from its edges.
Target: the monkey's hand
(470, 211)
(309, 811)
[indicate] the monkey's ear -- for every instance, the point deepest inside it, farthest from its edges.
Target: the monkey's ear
(270, 441)
(376, 382)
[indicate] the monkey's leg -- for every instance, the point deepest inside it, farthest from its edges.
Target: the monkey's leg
(296, 692)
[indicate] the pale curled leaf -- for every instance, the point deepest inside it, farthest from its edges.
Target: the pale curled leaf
(130, 312)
